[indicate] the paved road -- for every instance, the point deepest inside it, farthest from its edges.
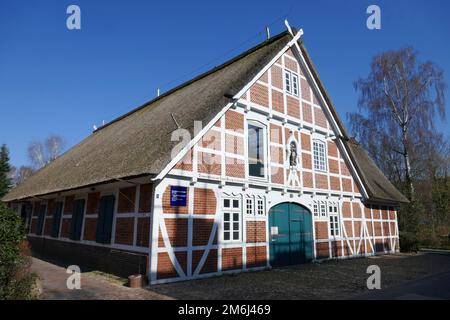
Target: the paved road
(435, 287)
(53, 280)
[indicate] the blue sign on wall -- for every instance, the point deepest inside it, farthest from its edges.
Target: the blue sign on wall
(178, 196)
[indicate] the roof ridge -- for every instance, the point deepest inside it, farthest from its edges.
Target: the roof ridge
(196, 78)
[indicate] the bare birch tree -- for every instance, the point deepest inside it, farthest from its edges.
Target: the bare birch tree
(41, 154)
(398, 102)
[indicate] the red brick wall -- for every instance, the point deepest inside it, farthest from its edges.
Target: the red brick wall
(256, 256)
(277, 175)
(124, 231)
(231, 258)
(347, 185)
(210, 265)
(177, 231)
(50, 207)
(320, 118)
(202, 231)
(335, 183)
(293, 107)
(234, 144)
(65, 228)
(321, 181)
(235, 168)
(277, 77)
(93, 203)
(322, 250)
(90, 229)
(256, 231)
(165, 268)
(48, 226)
(259, 94)
(356, 210)
(346, 211)
(234, 120)
(68, 205)
(209, 163)
(307, 179)
(211, 140)
(306, 94)
(321, 228)
(204, 201)
(306, 161)
(277, 101)
(306, 141)
(143, 232)
(127, 200)
(332, 150)
(307, 112)
(185, 163)
(145, 198)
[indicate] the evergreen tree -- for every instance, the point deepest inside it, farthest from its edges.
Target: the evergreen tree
(5, 168)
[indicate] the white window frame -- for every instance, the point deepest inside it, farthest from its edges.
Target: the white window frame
(260, 204)
(323, 209)
(249, 201)
(295, 86)
(333, 220)
(291, 84)
(316, 210)
(287, 81)
(319, 160)
(263, 126)
(232, 211)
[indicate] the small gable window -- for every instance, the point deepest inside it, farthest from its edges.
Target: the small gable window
(287, 81)
(294, 84)
(291, 82)
(319, 155)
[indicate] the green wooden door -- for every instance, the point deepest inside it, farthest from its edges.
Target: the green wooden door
(290, 228)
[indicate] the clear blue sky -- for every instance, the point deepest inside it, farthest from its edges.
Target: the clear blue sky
(53, 80)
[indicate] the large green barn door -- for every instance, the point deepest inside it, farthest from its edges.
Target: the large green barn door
(291, 241)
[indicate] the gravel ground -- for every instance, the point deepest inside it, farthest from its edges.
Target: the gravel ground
(329, 280)
(342, 279)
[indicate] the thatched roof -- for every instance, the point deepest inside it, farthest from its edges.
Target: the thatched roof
(139, 142)
(379, 188)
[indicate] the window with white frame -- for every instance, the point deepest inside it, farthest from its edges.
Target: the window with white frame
(323, 209)
(287, 81)
(231, 220)
(319, 155)
(249, 206)
(294, 84)
(334, 220)
(291, 82)
(320, 209)
(260, 207)
(256, 150)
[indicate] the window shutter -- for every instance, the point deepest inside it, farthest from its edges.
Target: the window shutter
(77, 219)
(41, 217)
(105, 219)
(56, 219)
